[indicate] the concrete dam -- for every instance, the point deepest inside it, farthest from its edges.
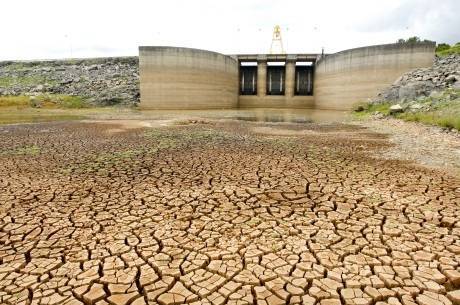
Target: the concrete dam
(184, 78)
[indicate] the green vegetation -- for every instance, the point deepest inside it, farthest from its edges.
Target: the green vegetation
(68, 101)
(363, 110)
(433, 118)
(19, 116)
(43, 108)
(44, 101)
(102, 162)
(175, 137)
(15, 101)
(442, 110)
(413, 39)
(22, 151)
(19, 109)
(30, 80)
(443, 49)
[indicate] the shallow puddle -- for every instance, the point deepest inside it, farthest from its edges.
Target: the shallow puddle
(252, 115)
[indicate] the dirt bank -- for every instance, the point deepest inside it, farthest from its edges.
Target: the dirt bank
(425, 145)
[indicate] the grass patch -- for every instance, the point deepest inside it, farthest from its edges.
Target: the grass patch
(364, 110)
(383, 108)
(440, 110)
(174, 136)
(36, 117)
(444, 112)
(449, 50)
(45, 101)
(67, 101)
(17, 101)
(433, 118)
(102, 162)
(18, 114)
(32, 150)
(34, 80)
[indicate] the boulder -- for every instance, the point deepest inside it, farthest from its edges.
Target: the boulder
(456, 85)
(415, 89)
(422, 82)
(396, 109)
(451, 79)
(415, 106)
(435, 94)
(39, 88)
(99, 80)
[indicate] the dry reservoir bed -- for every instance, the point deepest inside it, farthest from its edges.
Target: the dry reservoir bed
(221, 213)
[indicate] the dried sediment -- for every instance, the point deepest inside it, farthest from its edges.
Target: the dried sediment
(227, 213)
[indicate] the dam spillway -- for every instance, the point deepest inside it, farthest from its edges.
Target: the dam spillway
(184, 78)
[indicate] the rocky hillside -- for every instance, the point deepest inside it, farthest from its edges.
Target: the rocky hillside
(445, 73)
(429, 95)
(101, 81)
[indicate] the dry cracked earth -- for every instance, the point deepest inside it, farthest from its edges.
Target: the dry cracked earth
(221, 213)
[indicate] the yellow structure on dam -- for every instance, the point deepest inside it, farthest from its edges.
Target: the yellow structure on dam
(183, 78)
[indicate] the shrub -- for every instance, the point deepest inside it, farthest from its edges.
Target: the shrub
(442, 47)
(431, 118)
(413, 39)
(455, 49)
(70, 101)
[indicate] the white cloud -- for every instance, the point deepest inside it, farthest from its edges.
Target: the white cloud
(86, 28)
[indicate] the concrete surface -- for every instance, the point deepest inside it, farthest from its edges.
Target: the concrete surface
(183, 78)
(348, 77)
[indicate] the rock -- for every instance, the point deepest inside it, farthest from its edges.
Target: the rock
(93, 67)
(396, 82)
(378, 115)
(416, 106)
(415, 89)
(451, 79)
(423, 82)
(435, 94)
(454, 296)
(101, 81)
(66, 81)
(396, 109)
(426, 77)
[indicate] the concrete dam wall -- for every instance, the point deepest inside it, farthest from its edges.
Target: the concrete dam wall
(182, 78)
(356, 75)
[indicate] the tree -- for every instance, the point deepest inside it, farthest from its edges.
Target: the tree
(442, 47)
(413, 39)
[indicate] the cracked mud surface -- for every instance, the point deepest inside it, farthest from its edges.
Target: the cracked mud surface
(221, 213)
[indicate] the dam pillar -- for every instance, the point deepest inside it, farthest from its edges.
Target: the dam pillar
(290, 77)
(261, 77)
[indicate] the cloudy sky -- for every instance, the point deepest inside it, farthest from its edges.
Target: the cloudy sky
(33, 29)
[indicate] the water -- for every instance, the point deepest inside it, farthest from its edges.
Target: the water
(253, 115)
